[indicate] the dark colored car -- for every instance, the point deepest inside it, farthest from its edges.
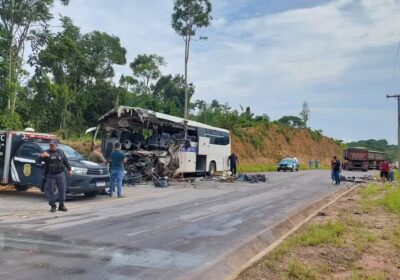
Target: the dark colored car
(88, 177)
(288, 164)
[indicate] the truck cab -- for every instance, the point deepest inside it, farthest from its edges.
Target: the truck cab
(21, 166)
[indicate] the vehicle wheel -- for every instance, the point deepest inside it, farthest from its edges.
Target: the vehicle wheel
(90, 194)
(212, 169)
(297, 169)
(21, 188)
(279, 170)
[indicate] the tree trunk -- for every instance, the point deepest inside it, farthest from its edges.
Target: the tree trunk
(187, 45)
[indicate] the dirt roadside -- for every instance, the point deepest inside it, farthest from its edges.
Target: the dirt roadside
(358, 237)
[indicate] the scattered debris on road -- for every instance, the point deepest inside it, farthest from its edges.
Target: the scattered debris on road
(358, 179)
(254, 178)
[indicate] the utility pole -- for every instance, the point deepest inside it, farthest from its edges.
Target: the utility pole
(398, 124)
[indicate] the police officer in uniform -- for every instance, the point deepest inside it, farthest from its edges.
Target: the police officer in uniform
(55, 186)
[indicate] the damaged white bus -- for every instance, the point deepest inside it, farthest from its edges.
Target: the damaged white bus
(156, 146)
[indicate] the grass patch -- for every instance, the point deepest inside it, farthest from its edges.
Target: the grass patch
(261, 167)
(395, 238)
(357, 275)
(391, 200)
(299, 270)
(370, 190)
(312, 235)
(368, 196)
(316, 234)
(364, 239)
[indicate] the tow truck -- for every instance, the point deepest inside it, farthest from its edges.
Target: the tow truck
(19, 164)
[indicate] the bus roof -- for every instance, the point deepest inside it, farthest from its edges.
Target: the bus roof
(144, 113)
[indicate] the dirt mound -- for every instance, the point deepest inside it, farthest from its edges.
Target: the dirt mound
(269, 143)
(83, 147)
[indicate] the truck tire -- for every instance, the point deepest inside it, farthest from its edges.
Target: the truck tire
(21, 188)
(212, 169)
(90, 194)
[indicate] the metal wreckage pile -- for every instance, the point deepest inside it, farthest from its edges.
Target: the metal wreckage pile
(150, 143)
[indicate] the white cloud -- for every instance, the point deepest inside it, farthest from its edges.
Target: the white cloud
(271, 62)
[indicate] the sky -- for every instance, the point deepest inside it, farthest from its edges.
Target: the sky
(272, 55)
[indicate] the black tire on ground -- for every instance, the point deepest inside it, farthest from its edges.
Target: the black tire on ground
(279, 170)
(91, 193)
(212, 169)
(297, 169)
(21, 188)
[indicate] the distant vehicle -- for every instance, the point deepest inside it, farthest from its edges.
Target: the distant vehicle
(359, 158)
(19, 151)
(291, 164)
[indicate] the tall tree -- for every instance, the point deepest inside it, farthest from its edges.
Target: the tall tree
(305, 112)
(72, 64)
(170, 92)
(291, 121)
(187, 17)
(17, 19)
(147, 68)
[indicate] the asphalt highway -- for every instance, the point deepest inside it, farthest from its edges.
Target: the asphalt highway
(152, 233)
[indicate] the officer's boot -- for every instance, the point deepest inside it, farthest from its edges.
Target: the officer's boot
(61, 207)
(53, 208)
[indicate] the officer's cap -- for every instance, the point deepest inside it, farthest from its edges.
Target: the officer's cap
(53, 142)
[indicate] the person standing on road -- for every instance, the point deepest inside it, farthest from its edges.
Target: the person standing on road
(55, 186)
(391, 172)
(336, 170)
(97, 157)
(117, 169)
(310, 163)
(233, 162)
(332, 174)
(316, 163)
(384, 167)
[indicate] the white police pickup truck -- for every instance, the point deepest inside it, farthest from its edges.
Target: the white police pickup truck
(19, 151)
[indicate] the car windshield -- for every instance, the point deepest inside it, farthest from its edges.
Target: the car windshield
(68, 151)
(287, 160)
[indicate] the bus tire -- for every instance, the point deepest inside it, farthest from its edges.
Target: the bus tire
(21, 188)
(212, 169)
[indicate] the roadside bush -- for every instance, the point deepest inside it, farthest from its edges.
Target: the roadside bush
(10, 121)
(391, 200)
(316, 234)
(299, 270)
(316, 135)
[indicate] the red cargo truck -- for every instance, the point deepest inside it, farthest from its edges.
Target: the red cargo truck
(356, 159)
(375, 159)
(359, 158)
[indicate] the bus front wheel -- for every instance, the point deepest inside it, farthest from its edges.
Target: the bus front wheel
(212, 169)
